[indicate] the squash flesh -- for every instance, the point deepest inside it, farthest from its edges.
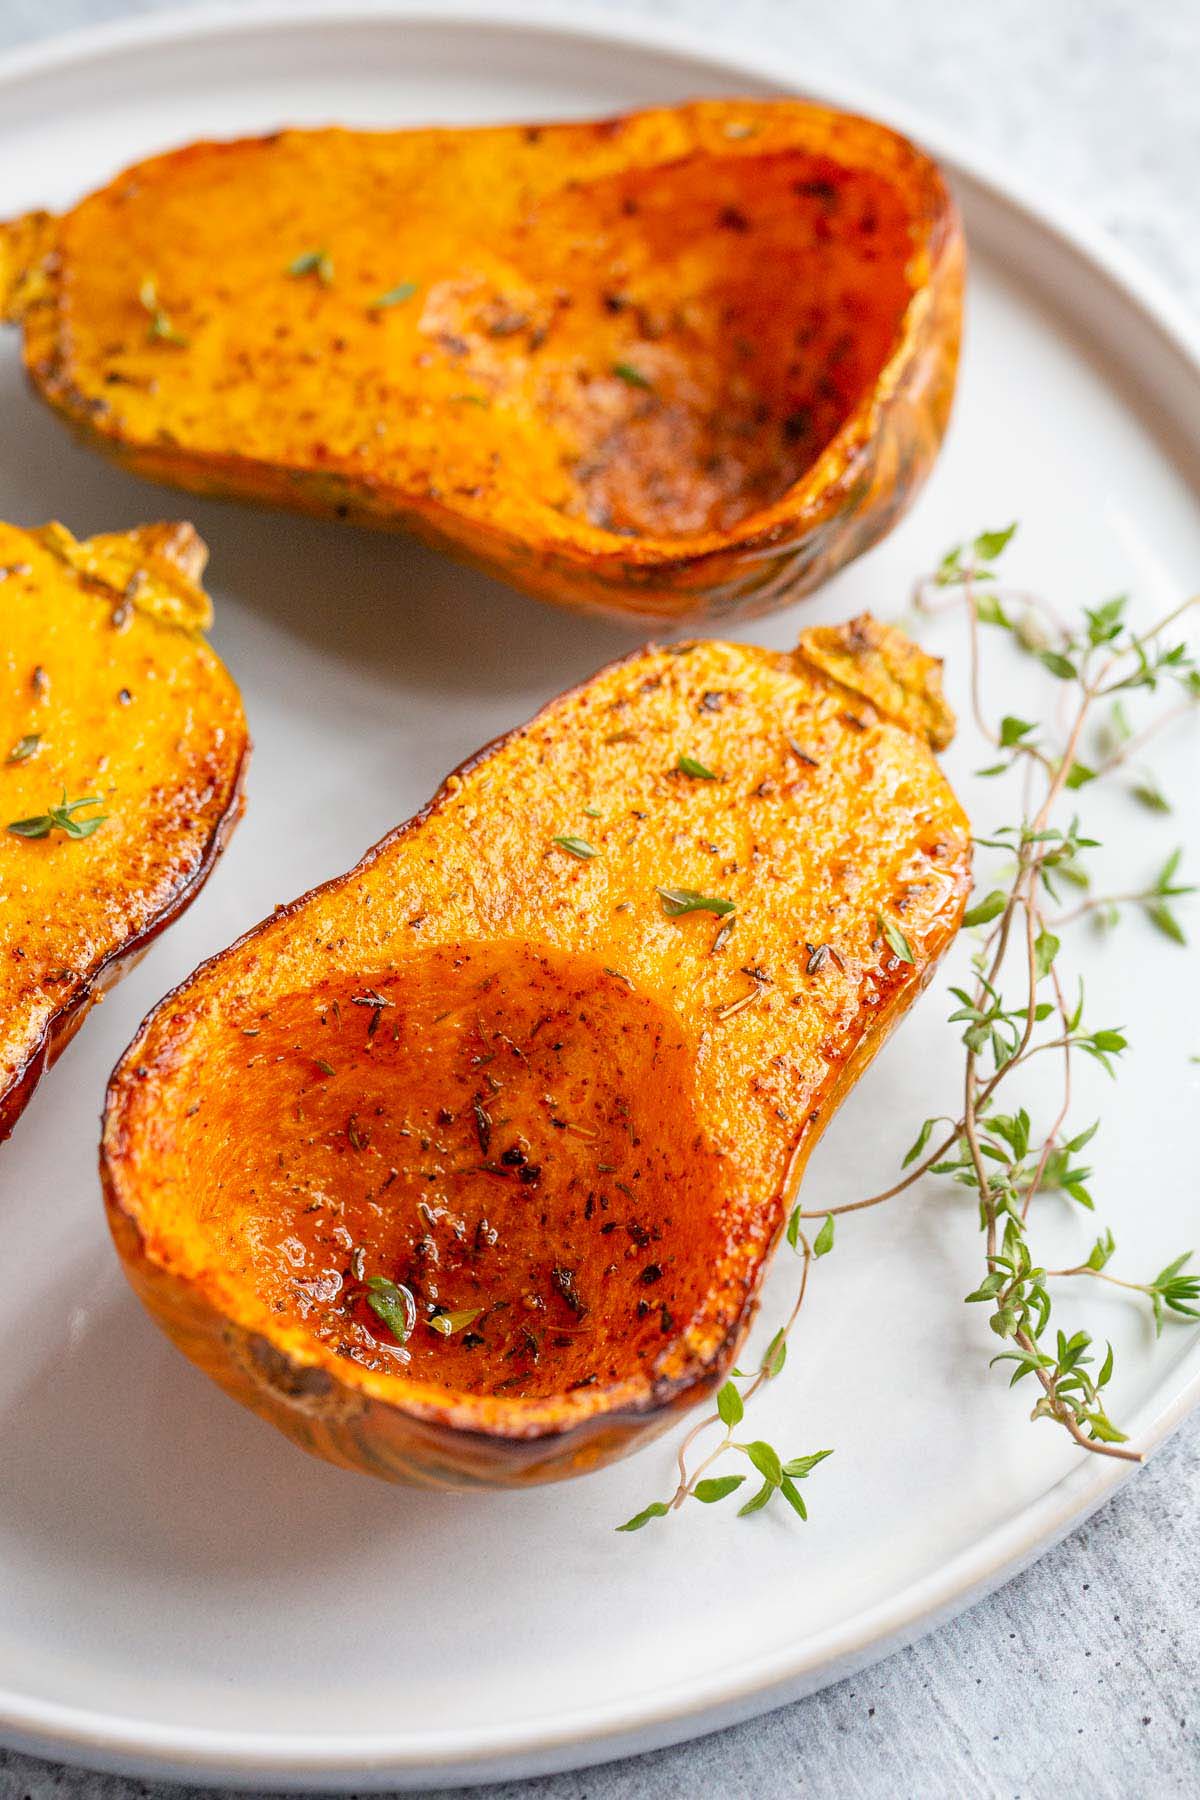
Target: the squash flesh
(633, 357)
(705, 1054)
(580, 1236)
(101, 668)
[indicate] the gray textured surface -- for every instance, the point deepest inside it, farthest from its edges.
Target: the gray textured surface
(1081, 1677)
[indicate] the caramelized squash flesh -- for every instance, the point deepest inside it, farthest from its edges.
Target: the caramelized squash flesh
(681, 362)
(466, 1167)
(515, 1140)
(109, 695)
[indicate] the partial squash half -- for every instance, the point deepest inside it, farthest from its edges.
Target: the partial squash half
(680, 364)
(465, 1167)
(122, 748)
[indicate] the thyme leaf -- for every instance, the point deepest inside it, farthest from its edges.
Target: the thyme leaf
(317, 263)
(677, 901)
(393, 1305)
(447, 1323)
(395, 296)
(61, 818)
(896, 940)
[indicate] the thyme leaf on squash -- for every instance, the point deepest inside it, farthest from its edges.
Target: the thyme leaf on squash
(318, 263)
(24, 748)
(897, 943)
(61, 818)
(447, 1323)
(395, 296)
(394, 1305)
(677, 901)
(689, 765)
(576, 846)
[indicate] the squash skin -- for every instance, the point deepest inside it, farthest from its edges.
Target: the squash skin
(721, 489)
(869, 825)
(118, 615)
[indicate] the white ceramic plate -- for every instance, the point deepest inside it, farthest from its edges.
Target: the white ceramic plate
(183, 1593)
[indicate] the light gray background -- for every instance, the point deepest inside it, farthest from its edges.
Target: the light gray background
(1082, 1677)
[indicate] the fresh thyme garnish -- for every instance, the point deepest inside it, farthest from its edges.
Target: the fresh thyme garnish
(313, 262)
(394, 1305)
(1106, 908)
(450, 1322)
(576, 846)
(997, 1155)
(779, 1474)
(61, 818)
(688, 765)
(897, 942)
(160, 327)
(24, 748)
(632, 377)
(395, 296)
(677, 901)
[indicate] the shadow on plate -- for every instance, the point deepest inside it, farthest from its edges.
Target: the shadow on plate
(122, 1459)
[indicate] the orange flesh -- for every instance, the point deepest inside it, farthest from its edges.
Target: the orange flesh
(608, 348)
(664, 1074)
(486, 1139)
(106, 689)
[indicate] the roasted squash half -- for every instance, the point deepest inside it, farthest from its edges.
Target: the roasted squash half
(679, 364)
(122, 746)
(464, 1168)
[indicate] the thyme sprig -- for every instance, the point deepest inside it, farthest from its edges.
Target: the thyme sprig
(61, 818)
(996, 1154)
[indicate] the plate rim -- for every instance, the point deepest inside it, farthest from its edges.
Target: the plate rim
(690, 1708)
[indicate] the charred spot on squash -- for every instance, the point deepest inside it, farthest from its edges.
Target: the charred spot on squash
(506, 1132)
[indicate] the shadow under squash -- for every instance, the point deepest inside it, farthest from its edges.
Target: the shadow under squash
(122, 1460)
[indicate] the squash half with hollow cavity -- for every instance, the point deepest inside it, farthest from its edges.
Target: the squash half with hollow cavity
(465, 1167)
(122, 747)
(678, 364)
